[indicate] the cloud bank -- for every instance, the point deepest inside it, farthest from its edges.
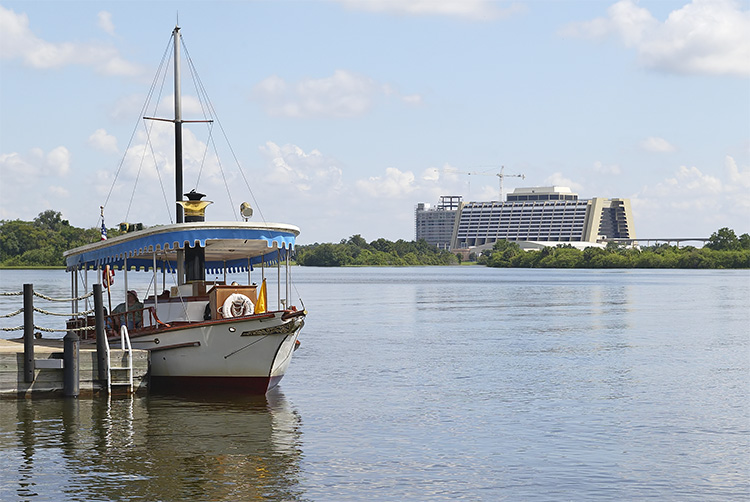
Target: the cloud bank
(19, 42)
(703, 37)
(342, 95)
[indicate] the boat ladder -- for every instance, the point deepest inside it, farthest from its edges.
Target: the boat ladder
(120, 374)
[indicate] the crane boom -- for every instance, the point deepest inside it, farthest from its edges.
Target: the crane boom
(501, 175)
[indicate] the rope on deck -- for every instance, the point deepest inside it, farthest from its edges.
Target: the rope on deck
(47, 312)
(74, 314)
(12, 313)
(62, 299)
(50, 330)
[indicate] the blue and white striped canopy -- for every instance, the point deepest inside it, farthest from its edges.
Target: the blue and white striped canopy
(230, 246)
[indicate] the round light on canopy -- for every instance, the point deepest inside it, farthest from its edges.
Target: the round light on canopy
(246, 210)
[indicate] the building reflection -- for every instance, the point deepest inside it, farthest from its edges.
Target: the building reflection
(153, 448)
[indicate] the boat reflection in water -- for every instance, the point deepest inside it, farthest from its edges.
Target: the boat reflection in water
(152, 448)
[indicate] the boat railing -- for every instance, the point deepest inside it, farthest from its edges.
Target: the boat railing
(134, 319)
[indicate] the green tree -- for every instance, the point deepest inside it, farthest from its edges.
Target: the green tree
(724, 239)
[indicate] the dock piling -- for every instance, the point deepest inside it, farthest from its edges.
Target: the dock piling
(71, 345)
(101, 346)
(28, 333)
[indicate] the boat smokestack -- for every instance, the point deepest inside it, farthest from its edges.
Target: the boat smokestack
(195, 257)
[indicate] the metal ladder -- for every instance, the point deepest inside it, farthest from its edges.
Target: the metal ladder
(120, 375)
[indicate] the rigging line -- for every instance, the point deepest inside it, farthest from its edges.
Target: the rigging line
(137, 177)
(149, 129)
(205, 154)
(135, 128)
(153, 154)
(226, 185)
(151, 144)
(206, 112)
(194, 75)
(226, 138)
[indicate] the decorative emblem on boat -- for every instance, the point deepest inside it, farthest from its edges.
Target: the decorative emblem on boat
(282, 329)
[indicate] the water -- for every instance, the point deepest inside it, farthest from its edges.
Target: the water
(443, 383)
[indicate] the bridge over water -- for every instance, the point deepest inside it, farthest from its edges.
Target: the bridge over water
(656, 241)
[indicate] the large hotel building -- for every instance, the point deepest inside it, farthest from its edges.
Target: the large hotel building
(534, 217)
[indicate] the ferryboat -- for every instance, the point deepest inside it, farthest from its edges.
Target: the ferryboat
(202, 334)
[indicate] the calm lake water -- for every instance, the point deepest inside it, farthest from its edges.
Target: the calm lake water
(430, 384)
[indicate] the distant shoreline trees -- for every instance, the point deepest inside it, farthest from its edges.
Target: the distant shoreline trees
(41, 243)
(355, 251)
(724, 250)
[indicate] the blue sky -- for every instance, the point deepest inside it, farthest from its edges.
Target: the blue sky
(345, 114)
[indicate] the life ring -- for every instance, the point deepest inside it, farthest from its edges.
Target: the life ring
(108, 276)
(237, 305)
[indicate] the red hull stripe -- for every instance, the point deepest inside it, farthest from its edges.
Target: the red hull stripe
(239, 385)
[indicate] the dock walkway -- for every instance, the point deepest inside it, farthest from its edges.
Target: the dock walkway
(48, 373)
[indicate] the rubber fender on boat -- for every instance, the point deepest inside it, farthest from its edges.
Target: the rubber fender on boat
(237, 305)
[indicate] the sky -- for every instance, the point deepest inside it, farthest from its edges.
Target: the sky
(340, 116)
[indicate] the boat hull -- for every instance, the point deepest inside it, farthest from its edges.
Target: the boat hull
(248, 354)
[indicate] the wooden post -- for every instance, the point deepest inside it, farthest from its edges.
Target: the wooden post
(28, 333)
(71, 345)
(101, 349)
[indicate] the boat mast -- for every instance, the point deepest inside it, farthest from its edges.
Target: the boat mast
(177, 127)
(179, 215)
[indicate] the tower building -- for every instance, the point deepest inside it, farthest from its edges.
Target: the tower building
(542, 216)
(435, 224)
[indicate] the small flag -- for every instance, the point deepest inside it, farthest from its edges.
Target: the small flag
(262, 304)
(104, 227)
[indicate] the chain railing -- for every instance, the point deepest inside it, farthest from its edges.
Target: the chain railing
(47, 312)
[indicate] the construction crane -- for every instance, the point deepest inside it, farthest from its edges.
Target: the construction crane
(501, 175)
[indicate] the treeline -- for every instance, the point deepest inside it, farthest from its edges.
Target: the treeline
(356, 251)
(41, 242)
(724, 250)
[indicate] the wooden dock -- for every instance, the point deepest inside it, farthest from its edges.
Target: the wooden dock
(48, 372)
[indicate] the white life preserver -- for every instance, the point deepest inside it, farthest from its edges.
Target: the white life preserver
(108, 276)
(237, 305)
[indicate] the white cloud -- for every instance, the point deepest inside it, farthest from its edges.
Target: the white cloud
(703, 37)
(103, 141)
(57, 191)
(599, 167)
(694, 203)
(739, 179)
(484, 10)
(292, 167)
(27, 169)
(656, 144)
(431, 174)
(58, 161)
(105, 22)
(342, 95)
(393, 185)
(557, 179)
(19, 42)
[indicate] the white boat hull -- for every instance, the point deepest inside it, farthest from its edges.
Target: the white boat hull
(249, 354)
